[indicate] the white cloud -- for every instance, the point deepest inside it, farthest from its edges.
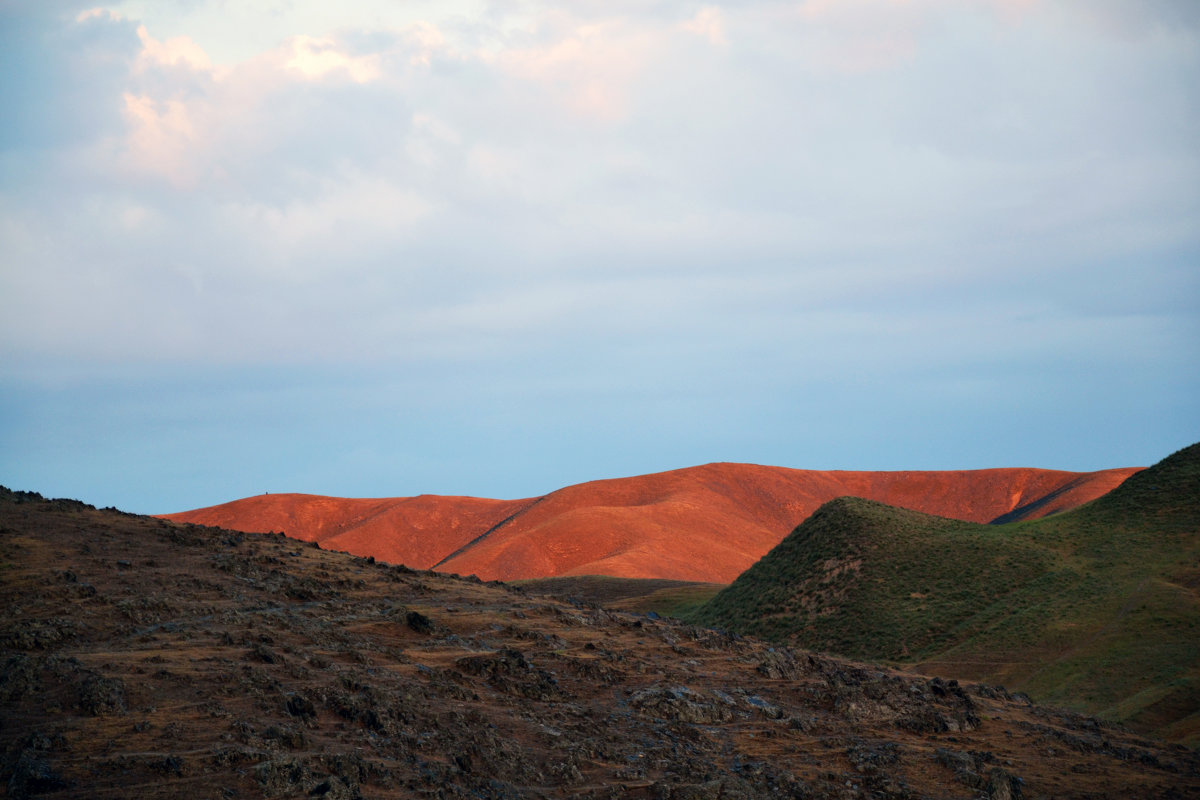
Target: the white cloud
(587, 67)
(352, 215)
(316, 58)
(708, 23)
(162, 139)
(845, 150)
(423, 42)
(98, 13)
(176, 50)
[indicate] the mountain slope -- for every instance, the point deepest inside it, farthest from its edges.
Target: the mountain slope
(142, 658)
(1097, 608)
(706, 523)
(414, 531)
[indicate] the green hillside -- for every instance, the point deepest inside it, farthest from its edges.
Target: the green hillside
(1097, 608)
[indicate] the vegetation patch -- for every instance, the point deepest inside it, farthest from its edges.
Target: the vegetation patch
(1097, 608)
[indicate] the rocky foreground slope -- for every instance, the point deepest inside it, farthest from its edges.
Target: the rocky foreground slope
(706, 523)
(152, 659)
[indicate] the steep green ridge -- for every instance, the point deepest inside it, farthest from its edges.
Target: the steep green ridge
(1097, 608)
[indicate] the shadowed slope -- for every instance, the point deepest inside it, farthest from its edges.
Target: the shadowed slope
(144, 659)
(706, 523)
(1097, 608)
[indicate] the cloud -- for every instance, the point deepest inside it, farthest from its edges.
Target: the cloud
(725, 205)
(708, 23)
(178, 50)
(161, 139)
(587, 67)
(317, 58)
(352, 212)
(98, 13)
(589, 144)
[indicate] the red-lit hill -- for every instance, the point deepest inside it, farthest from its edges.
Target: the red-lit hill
(706, 523)
(415, 531)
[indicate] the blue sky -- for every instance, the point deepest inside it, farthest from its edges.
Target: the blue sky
(495, 248)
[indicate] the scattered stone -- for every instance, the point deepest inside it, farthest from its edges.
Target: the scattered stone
(419, 622)
(1003, 786)
(286, 736)
(300, 706)
(31, 776)
(682, 704)
(99, 695)
(263, 654)
(169, 765)
(509, 672)
(18, 678)
(39, 634)
(779, 664)
(283, 778)
(334, 788)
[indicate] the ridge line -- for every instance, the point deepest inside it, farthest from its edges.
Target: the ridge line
(489, 532)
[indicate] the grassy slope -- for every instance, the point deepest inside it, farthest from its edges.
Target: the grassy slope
(1096, 608)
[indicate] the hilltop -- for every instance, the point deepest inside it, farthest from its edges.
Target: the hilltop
(1097, 608)
(146, 658)
(706, 523)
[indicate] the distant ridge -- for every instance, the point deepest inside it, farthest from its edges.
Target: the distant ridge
(707, 523)
(1097, 608)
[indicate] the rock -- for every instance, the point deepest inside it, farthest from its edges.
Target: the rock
(169, 765)
(334, 788)
(731, 788)
(508, 671)
(286, 735)
(18, 678)
(779, 664)
(263, 654)
(969, 768)
(282, 777)
(419, 622)
(31, 776)
(300, 706)
(1003, 786)
(99, 695)
(682, 704)
(763, 707)
(40, 634)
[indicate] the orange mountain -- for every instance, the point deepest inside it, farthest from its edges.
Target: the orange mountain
(706, 523)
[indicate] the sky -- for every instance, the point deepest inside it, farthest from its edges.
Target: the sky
(497, 247)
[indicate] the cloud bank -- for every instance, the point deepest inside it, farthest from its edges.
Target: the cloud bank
(522, 244)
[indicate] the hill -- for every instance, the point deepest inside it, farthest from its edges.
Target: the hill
(705, 524)
(144, 658)
(1097, 608)
(415, 531)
